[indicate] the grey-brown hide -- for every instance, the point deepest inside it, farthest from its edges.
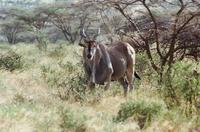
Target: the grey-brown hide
(114, 62)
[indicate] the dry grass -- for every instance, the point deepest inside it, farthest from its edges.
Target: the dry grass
(29, 103)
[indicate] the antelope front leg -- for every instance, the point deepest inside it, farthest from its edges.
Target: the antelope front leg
(110, 72)
(91, 82)
(92, 78)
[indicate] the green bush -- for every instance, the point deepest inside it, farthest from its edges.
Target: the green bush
(73, 87)
(19, 98)
(181, 87)
(72, 121)
(141, 111)
(141, 63)
(68, 79)
(41, 39)
(144, 68)
(11, 61)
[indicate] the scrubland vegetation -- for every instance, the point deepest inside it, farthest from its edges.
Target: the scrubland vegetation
(46, 91)
(43, 85)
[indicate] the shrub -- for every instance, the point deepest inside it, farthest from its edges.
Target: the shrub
(42, 40)
(74, 121)
(10, 61)
(141, 62)
(19, 98)
(68, 79)
(72, 87)
(181, 87)
(144, 68)
(141, 111)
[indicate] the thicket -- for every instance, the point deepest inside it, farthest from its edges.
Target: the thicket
(181, 87)
(72, 121)
(141, 111)
(11, 61)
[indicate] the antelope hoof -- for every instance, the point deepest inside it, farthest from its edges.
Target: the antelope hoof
(131, 89)
(125, 94)
(91, 86)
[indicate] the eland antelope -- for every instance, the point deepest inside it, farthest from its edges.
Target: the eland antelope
(106, 63)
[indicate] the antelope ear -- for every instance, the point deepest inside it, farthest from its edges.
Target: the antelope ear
(82, 45)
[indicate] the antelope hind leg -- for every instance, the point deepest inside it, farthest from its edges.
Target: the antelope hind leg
(123, 81)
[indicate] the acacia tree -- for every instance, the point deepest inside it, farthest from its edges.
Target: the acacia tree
(35, 21)
(174, 39)
(11, 30)
(69, 18)
(11, 27)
